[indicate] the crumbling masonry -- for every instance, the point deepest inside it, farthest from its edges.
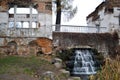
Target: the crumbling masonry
(22, 35)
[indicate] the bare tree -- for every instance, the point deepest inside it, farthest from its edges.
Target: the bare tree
(65, 7)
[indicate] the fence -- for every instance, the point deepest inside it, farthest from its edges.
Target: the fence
(35, 32)
(42, 31)
(22, 32)
(81, 29)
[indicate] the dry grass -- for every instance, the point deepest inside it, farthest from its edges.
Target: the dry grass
(110, 71)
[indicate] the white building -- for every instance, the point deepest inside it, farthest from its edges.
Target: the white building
(107, 14)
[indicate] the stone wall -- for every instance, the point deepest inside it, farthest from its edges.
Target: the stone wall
(103, 42)
(26, 46)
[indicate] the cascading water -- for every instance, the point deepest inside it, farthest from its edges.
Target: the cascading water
(83, 63)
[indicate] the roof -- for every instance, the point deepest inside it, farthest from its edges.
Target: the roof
(22, 3)
(44, 6)
(108, 4)
(113, 3)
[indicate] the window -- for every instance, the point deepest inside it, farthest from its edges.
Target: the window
(22, 17)
(109, 10)
(18, 25)
(11, 24)
(25, 25)
(23, 11)
(34, 25)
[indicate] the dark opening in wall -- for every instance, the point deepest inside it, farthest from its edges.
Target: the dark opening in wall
(109, 10)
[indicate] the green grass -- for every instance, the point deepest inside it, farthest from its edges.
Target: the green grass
(35, 67)
(24, 65)
(31, 66)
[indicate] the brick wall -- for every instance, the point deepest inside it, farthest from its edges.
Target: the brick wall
(44, 6)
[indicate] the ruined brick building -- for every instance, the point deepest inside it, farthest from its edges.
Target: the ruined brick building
(23, 28)
(29, 31)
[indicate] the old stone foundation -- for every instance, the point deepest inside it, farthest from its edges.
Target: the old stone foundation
(26, 46)
(103, 42)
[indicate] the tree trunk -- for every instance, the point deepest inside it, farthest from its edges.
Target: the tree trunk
(58, 15)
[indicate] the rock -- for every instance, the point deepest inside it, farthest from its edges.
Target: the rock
(57, 62)
(74, 78)
(49, 75)
(58, 65)
(64, 71)
(48, 72)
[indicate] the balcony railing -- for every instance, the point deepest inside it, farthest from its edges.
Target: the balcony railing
(37, 32)
(81, 29)
(43, 31)
(22, 32)
(22, 17)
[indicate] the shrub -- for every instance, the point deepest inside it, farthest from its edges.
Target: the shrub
(64, 54)
(110, 71)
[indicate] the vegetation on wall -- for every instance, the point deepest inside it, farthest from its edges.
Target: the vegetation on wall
(99, 41)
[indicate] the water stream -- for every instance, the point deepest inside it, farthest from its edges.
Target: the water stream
(83, 63)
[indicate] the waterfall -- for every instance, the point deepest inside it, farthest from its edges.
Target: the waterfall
(83, 63)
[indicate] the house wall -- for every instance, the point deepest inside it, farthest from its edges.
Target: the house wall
(108, 20)
(45, 27)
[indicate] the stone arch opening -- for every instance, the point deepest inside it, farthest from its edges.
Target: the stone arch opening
(12, 48)
(12, 43)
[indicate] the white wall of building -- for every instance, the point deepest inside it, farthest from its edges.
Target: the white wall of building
(3, 25)
(45, 29)
(108, 20)
(45, 21)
